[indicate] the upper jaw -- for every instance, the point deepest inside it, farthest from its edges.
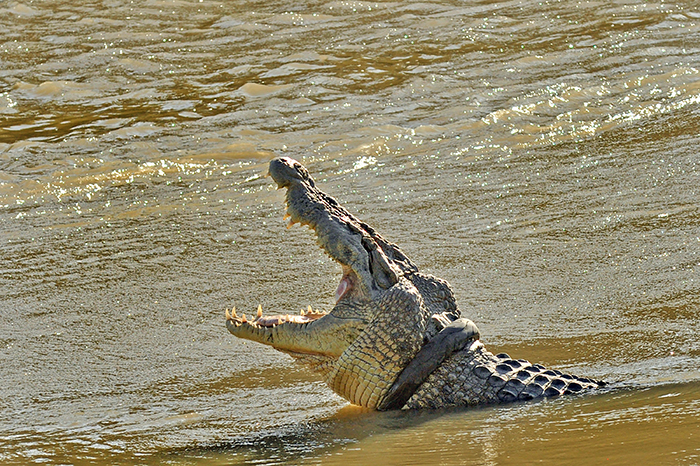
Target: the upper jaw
(342, 236)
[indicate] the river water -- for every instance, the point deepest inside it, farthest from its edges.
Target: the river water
(542, 156)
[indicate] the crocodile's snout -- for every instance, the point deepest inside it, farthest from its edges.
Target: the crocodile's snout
(286, 171)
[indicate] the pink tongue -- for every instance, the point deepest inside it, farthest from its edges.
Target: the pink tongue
(342, 288)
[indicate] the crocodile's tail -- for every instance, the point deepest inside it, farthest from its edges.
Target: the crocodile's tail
(473, 376)
(518, 379)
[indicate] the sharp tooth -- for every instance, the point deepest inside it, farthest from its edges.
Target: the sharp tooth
(243, 319)
(302, 312)
(259, 310)
(286, 216)
(310, 310)
(233, 313)
(228, 315)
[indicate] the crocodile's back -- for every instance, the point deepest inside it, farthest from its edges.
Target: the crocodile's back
(476, 376)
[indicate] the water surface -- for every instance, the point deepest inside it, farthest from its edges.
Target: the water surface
(540, 156)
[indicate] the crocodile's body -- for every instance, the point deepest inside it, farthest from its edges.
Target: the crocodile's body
(395, 337)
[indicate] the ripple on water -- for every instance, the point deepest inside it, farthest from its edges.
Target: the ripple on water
(540, 156)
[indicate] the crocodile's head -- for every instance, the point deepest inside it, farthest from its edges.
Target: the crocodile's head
(385, 309)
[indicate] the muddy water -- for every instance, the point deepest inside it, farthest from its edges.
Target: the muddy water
(541, 156)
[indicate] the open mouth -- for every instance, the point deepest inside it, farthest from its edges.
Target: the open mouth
(348, 278)
(345, 287)
(341, 236)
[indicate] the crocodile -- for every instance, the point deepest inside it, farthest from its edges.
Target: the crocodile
(395, 338)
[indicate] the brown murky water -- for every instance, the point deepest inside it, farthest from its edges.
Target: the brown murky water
(541, 156)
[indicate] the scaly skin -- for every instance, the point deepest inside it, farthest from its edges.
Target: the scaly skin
(476, 376)
(394, 337)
